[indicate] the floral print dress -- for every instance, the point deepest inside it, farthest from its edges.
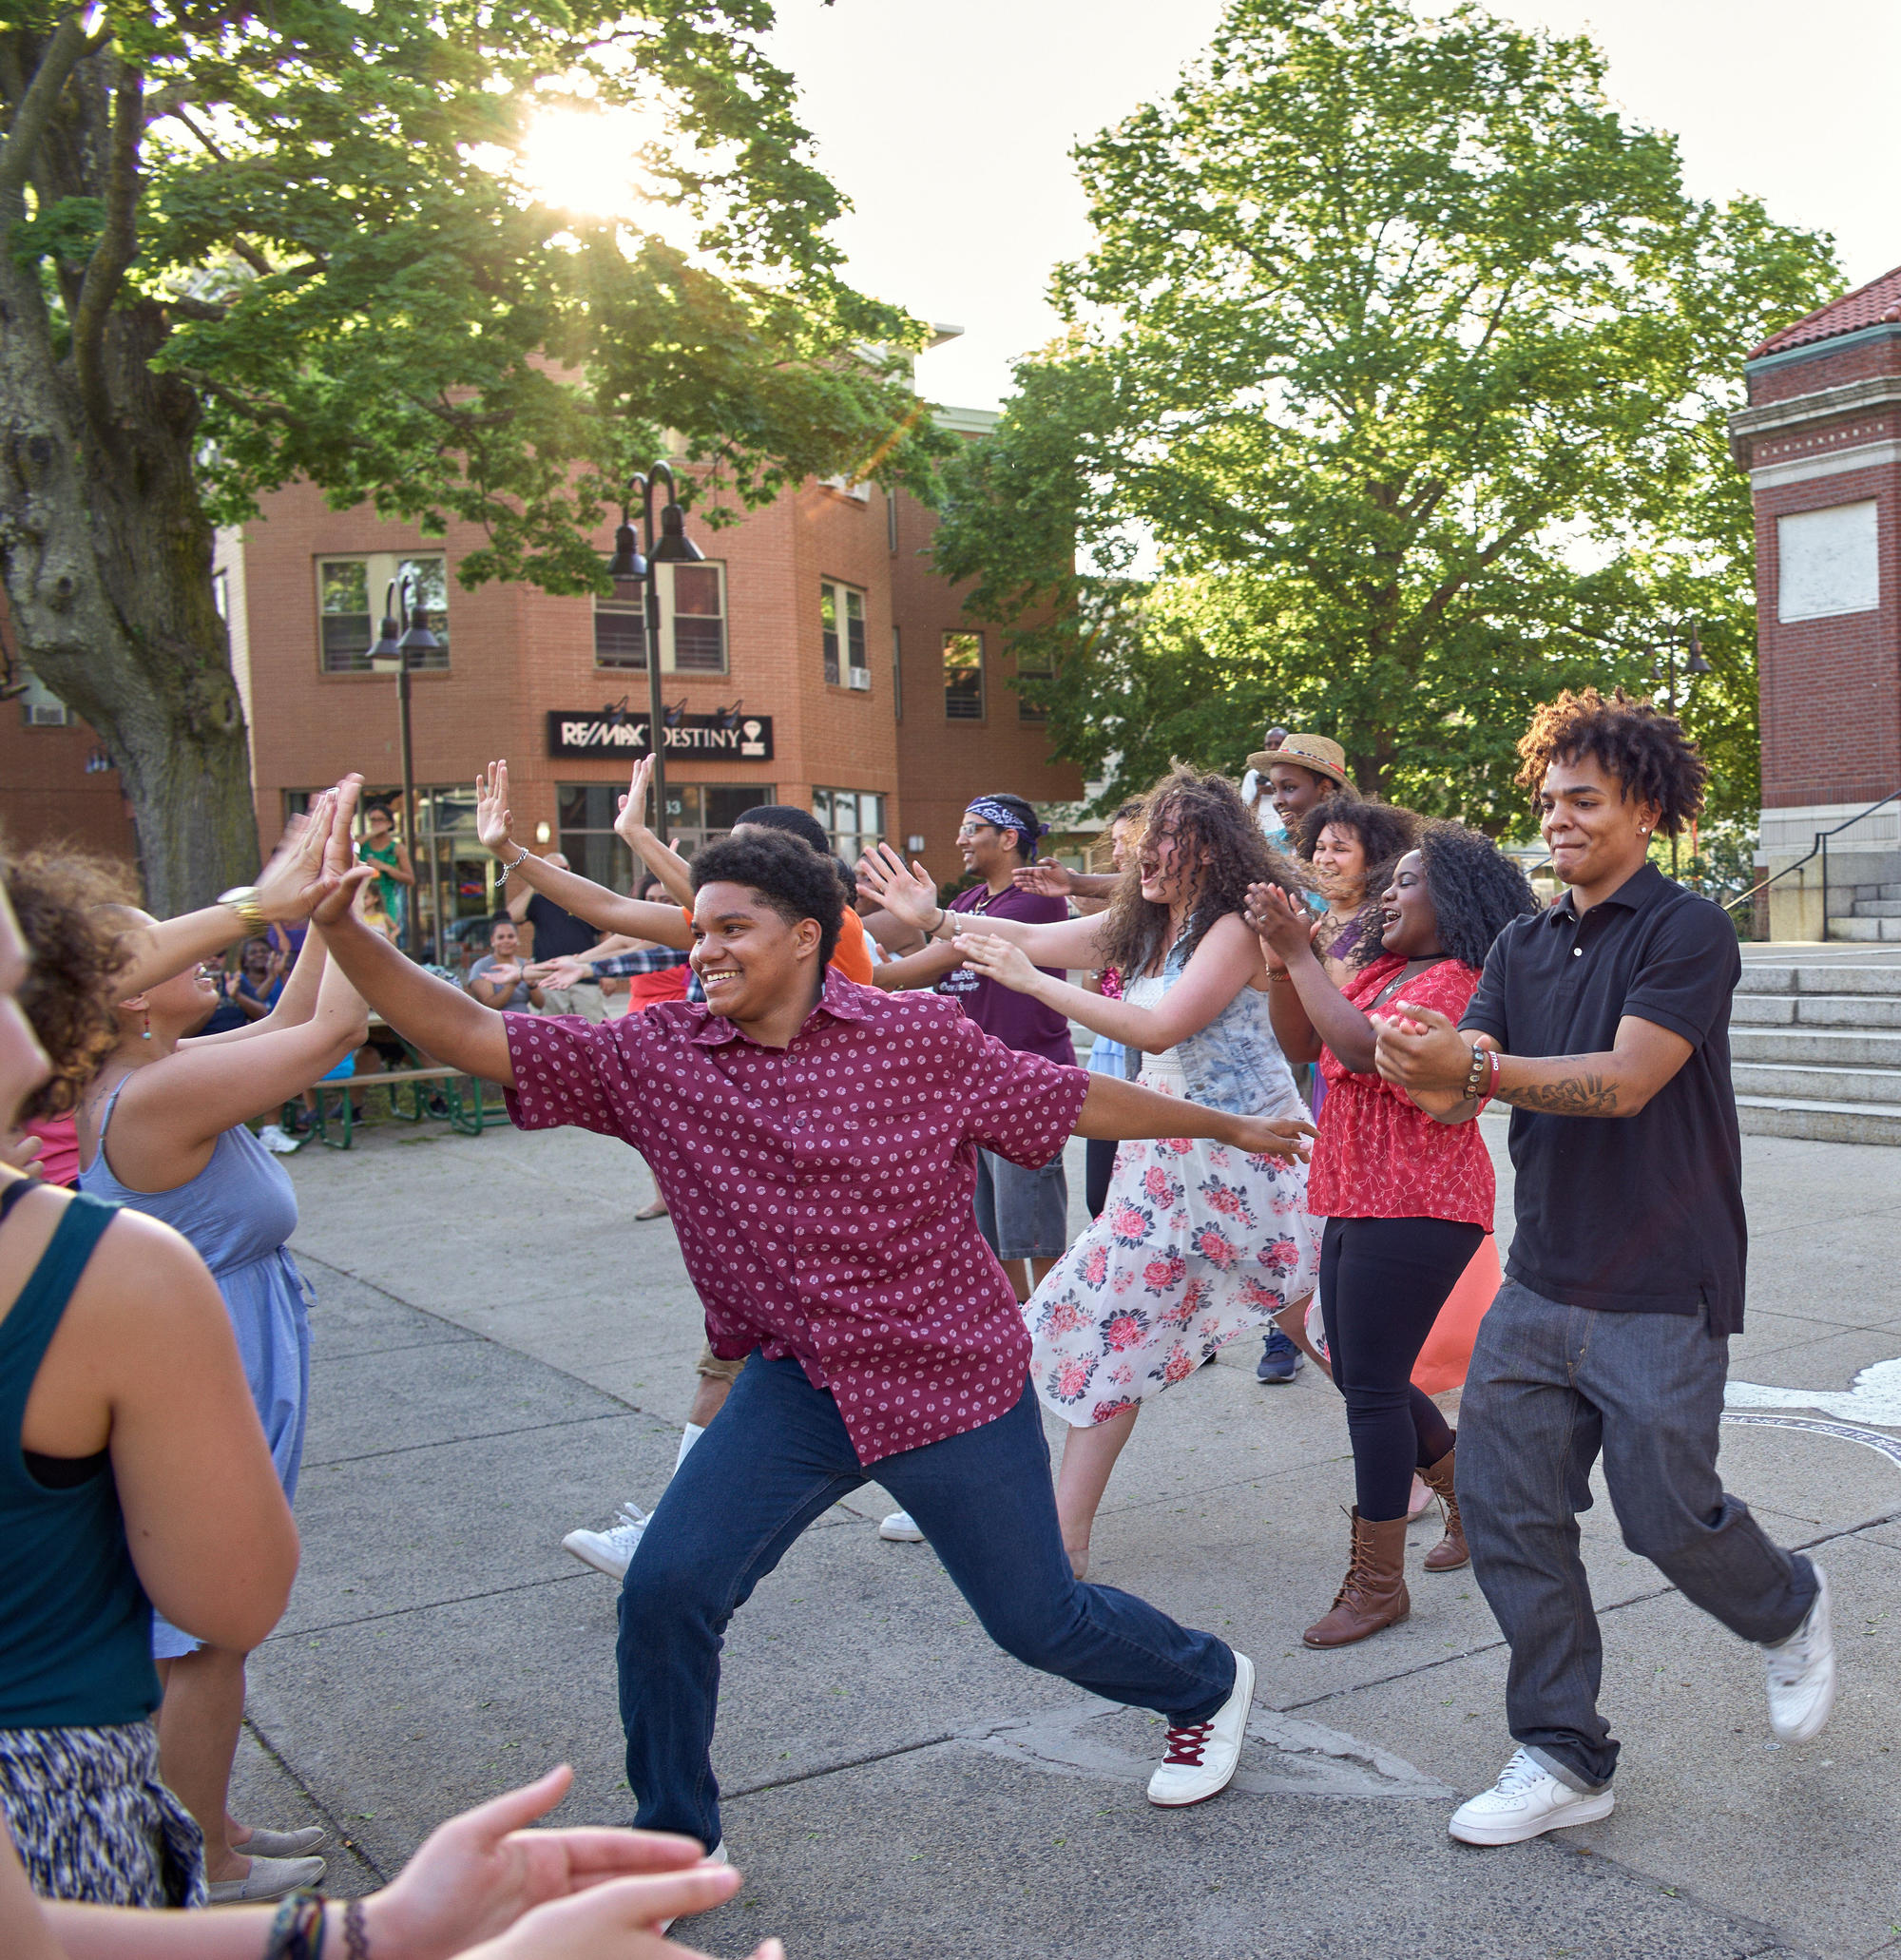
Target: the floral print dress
(1196, 1244)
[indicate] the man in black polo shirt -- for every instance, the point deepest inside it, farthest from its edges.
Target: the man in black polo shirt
(1605, 1021)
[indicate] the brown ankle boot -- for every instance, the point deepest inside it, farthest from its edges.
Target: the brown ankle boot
(1451, 1552)
(1373, 1592)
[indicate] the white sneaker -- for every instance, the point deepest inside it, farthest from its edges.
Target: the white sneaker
(610, 1551)
(1201, 1761)
(1802, 1673)
(901, 1528)
(1526, 1802)
(716, 1857)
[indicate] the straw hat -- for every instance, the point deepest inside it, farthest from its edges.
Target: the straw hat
(1319, 753)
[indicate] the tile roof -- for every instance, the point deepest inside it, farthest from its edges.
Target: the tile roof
(1867, 306)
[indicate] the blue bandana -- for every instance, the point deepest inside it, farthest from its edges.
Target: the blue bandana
(1004, 817)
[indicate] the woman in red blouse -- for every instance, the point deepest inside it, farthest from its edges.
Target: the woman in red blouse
(1406, 1199)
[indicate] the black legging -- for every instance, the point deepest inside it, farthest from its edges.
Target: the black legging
(1382, 1283)
(1099, 1164)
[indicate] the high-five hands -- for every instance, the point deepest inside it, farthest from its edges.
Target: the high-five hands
(491, 810)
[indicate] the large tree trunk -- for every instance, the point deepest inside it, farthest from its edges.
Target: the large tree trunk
(106, 553)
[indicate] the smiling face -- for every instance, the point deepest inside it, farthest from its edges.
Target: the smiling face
(1406, 908)
(1340, 859)
(751, 959)
(504, 942)
(1597, 837)
(1294, 791)
(988, 851)
(23, 1062)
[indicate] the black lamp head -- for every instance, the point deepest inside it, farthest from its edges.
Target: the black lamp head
(627, 563)
(675, 546)
(1695, 664)
(418, 639)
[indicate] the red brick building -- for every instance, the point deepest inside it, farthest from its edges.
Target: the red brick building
(1822, 441)
(812, 659)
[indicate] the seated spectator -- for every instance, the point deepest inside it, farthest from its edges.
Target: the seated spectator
(557, 934)
(497, 979)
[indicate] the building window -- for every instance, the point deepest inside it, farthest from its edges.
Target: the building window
(963, 677)
(221, 594)
(842, 614)
(1034, 666)
(40, 707)
(693, 622)
(349, 594)
(854, 819)
(697, 814)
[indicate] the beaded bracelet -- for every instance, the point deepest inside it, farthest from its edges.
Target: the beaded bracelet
(297, 1931)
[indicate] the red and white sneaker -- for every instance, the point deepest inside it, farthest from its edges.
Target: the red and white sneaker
(1203, 1759)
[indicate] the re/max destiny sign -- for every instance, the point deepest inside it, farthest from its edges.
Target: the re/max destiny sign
(738, 739)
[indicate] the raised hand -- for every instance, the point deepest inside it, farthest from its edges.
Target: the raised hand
(908, 895)
(1284, 928)
(336, 896)
(339, 851)
(997, 959)
(287, 882)
(1047, 879)
(633, 812)
(1271, 1136)
(491, 810)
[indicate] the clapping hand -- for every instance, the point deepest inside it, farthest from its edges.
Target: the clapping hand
(486, 1882)
(1000, 959)
(1048, 879)
(1285, 929)
(909, 895)
(491, 810)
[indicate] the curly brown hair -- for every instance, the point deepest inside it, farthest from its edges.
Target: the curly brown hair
(77, 952)
(1206, 814)
(1634, 740)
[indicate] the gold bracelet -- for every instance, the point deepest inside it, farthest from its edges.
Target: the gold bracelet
(243, 899)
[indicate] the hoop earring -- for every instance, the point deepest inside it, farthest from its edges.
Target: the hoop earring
(145, 1033)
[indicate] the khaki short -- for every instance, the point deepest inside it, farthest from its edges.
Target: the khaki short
(714, 1369)
(584, 1001)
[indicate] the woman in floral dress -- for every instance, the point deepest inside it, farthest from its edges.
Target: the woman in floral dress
(1197, 1244)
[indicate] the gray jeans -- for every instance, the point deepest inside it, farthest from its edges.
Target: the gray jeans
(1551, 1386)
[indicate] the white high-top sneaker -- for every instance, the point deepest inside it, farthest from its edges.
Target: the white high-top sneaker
(1802, 1673)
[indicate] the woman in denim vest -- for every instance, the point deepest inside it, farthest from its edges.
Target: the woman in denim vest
(1196, 1244)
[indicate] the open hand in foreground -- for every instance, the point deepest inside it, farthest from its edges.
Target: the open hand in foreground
(906, 895)
(1271, 1136)
(1047, 879)
(998, 959)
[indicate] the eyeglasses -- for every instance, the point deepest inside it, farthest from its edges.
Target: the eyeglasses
(970, 830)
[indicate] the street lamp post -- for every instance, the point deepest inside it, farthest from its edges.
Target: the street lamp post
(1664, 668)
(405, 634)
(631, 565)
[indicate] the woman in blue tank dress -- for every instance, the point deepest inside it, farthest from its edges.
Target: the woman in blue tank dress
(1197, 1244)
(162, 1131)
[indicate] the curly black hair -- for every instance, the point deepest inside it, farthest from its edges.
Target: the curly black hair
(1385, 831)
(60, 896)
(786, 872)
(1634, 740)
(1475, 888)
(1206, 815)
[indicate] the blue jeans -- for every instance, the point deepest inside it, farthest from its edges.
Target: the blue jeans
(776, 1457)
(1550, 1389)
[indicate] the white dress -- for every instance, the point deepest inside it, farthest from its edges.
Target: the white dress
(1196, 1244)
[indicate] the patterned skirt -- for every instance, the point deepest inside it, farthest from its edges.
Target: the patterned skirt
(93, 1822)
(1196, 1244)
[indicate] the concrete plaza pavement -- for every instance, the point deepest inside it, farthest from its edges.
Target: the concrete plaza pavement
(503, 1353)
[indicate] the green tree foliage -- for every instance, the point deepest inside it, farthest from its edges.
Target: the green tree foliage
(246, 246)
(1410, 356)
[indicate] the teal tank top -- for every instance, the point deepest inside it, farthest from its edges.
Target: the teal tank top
(75, 1625)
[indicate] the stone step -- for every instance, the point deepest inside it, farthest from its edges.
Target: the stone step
(1762, 976)
(1865, 929)
(1877, 908)
(1815, 1010)
(1820, 1123)
(1817, 1084)
(1823, 1048)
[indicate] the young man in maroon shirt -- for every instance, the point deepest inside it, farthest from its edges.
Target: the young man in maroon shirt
(816, 1141)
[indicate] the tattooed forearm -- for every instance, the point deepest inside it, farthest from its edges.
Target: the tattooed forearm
(1569, 1095)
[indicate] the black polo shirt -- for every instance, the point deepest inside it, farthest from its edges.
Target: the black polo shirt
(558, 934)
(1642, 1212)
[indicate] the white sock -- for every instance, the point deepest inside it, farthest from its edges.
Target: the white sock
(688, 1436)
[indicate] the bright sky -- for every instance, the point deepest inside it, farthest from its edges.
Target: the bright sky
(949, 124)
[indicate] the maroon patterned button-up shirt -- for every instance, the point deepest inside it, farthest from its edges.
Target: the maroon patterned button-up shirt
(822, 1191)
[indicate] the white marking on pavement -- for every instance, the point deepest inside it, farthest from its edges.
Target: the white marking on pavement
(1874, 1396)
(1886, 1445)
(1286, 1756)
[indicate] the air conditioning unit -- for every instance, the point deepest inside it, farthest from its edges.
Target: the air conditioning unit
(47, 714)
(861, 679)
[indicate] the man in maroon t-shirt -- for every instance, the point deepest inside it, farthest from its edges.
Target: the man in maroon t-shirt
(1022, 1213)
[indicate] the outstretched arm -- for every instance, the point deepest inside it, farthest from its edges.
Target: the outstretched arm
(630, 826)
(607, 912)
(906, 893)
(1421, 1052)
(1124, 1110)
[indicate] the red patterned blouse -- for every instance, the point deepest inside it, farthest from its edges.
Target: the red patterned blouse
(1379, 1155)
